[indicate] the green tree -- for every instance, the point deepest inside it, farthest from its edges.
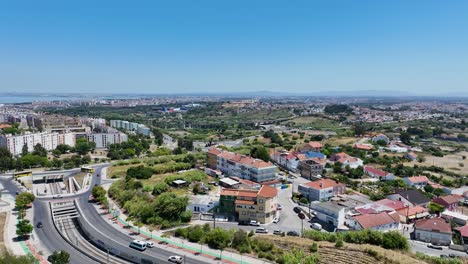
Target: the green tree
(24, 150)
(99, 194)
(39, 150)
(359, 129)
(59, 257)
(218, 238)
(63, 148)
(82, 146)
(140, 172)
(435, 208)
(169, 206)
(405, 137)
(23, 199)
(260, 152)
(298, 256)
(6, 160)
(160, 187)
(23, 228)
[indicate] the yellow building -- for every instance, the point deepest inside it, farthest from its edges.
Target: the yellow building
(248, 204)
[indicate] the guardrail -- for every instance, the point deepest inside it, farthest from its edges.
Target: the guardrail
(111, 245)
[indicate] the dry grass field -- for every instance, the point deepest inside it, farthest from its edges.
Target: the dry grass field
(349, 254)
(2, 227)
(449, 162)
(336, 141)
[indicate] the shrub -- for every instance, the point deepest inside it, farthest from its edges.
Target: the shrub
(339, 243)
(313, 248)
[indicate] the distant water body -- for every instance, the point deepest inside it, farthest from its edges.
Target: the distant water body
(11, 99)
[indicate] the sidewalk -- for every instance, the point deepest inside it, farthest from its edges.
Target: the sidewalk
(32, 246)
(176, 243)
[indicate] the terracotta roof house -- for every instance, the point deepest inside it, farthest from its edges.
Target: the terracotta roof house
(449, 202)
(379, 174)
(463, 231)
(411, 214)
(321, 190)
(416, 181)
(382, 221)
(363, 146)
(346, 159)
(433, 230)
(312, 146)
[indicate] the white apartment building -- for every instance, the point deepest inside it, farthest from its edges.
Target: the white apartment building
(48, 140)
(103, 140)
(131, 126)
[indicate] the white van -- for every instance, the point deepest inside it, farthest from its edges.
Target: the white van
(137, 244)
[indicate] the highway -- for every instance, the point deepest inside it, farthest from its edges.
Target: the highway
(50, 237)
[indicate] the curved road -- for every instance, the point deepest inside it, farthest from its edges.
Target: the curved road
(50, 237)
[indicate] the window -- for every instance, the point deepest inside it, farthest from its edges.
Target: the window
(261, 208)
(244, 213)
(260, 201)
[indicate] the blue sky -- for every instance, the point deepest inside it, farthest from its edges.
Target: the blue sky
(234, 46)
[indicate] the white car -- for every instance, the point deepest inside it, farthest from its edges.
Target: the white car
(149, 244)
(175, 259)
(276, 220)
(254, 223)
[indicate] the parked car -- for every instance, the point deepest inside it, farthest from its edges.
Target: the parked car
(452, 255)
(276, 220)
(316, 226)
(149, 244)
(261, 230)
(292, 233)
(297, 209)
(254, 223)
(279, 206)
(434, 247)
(39, 225)
(277, 232)
(175, 259)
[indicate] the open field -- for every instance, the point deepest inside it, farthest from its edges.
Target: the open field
(449, 162)
(336, 141)
(312, 122)
(349, 254)
(118, 171)
(2, 227)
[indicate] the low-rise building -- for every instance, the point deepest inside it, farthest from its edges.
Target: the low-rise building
(330, 213)
(202, 203)
(346, 160)
(245, 167)
(311, 167)
(312, 146)
(433, 230)
(321, 190)
(411, 156)
(410, 214)
(416, 181)
(379, 174)
(382, 221)
(449, 202)
(410, 198)
(247, 205)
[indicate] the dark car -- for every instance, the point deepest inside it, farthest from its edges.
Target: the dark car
(292, 233)
(39, 225)
(297, 209)
(452, 255)
(434, 247)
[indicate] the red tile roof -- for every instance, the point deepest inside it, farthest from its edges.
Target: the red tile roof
(416, 179)
(375, 220)
(363, 146)
(315, 144)
(434, 224)
(2, 126)
(373, 170)
(319, 161)
(463, 230)
(322, 184)
(246, 160)
(395, 205)
(267, 191)
(409, 211)
(214, 151)
(448, 199)
(244, 202)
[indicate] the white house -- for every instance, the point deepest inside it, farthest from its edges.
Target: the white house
(416, 181)
(330, 213)
(202, 203)
(321, 190)
(434, 230)
(379, 174)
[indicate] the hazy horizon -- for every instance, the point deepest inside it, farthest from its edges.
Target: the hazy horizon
(412, 48)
